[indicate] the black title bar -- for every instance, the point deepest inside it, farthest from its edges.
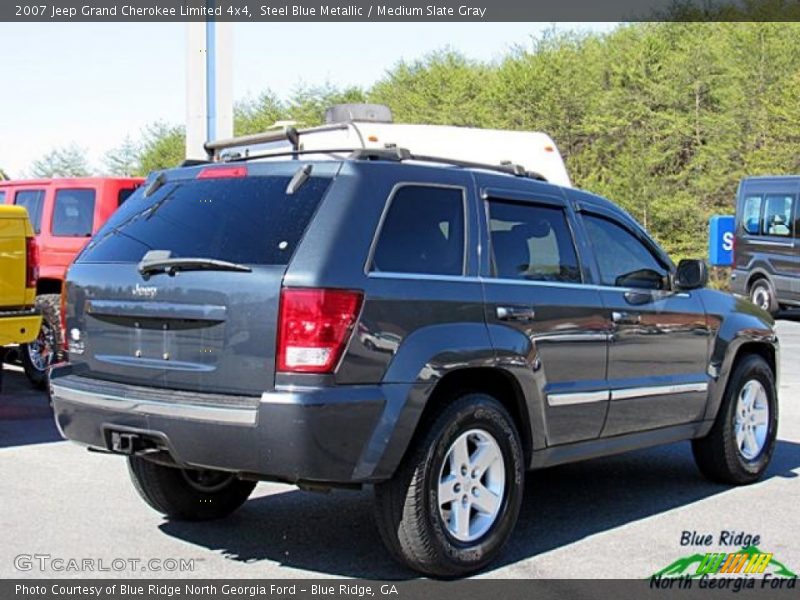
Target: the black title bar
(409, 10)
(683, 588)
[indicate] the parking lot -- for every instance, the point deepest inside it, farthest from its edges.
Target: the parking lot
(618, 517)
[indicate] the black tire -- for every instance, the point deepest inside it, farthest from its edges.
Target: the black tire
(717, 454)
(39, 355)
(406, 507)
(762, 294)
(179, 493)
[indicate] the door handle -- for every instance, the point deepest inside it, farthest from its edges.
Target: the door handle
(516, 313)
(626, 318)
(639, 297)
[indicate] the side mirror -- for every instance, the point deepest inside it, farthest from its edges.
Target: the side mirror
(691, 274)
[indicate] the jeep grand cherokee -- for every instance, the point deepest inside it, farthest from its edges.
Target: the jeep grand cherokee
(222, 328)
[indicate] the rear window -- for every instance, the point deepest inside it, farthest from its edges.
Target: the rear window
(73, 213)
(249, 220)
(33, 201)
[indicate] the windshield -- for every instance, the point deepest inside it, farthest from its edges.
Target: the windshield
(249, 220)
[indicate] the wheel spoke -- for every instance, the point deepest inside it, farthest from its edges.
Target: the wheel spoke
(760, 397)
(486, 455)
(747, 396)
(760, 416)
(447, 490)
(459, 515)
(485, 500)
(459, 455)
(751, 443)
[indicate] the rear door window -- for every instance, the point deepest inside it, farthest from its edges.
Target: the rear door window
(423, 232)
(33, 201)
(73, 213)
(2, 197)
(751, 214)
(248, 220)
(777, 215)
(532, 242)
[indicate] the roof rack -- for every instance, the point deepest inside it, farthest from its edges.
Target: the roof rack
(389, 153)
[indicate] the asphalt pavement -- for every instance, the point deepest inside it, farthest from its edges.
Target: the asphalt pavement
(65, 511)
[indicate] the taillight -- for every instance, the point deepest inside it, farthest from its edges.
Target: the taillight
(222, 172)
(31, 262)
(314, 327)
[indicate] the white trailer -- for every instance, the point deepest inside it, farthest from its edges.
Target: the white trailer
(352, 127)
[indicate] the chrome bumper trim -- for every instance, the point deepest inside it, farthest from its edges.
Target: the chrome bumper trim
(190, 412)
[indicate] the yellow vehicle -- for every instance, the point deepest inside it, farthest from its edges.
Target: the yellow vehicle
(19, 268)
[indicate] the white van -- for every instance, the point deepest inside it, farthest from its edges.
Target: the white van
(355, 126)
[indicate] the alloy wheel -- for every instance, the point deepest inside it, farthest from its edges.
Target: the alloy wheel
(760, 296)
(42, 349)
(472, 485)
(751, 421)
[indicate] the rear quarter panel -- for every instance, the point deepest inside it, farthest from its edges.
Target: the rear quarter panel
(397, 307)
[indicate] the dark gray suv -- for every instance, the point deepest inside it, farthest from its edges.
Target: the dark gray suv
(432, 329)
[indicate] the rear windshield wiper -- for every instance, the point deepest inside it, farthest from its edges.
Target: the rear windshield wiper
(164, 264)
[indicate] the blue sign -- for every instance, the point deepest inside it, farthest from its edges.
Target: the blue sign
(720, 241)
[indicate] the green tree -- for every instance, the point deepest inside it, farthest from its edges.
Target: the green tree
(442, 88)
(123, 161)
(308, 104)
(163, 146)
(67, 161)
(259, 114)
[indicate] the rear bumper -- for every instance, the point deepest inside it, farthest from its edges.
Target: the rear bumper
(19, 327)
(331, 435)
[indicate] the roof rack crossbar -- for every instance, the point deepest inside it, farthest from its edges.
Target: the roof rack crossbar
(392, 153)
(246, 157)
(215, 147)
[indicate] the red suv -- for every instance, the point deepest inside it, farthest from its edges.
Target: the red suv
(64, 214)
